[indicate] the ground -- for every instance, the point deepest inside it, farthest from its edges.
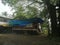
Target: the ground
(21, 39)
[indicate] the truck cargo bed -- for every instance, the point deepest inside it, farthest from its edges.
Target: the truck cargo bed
(24, 28)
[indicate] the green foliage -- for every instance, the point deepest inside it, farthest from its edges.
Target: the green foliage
(53, 2)
(4, 13)
(44, 13)
(32, 12)
(10, 2)
(20, 12)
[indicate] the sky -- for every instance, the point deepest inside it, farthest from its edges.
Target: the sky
(5, 8)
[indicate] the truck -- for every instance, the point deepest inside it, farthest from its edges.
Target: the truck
(22, 26)
(27, 25)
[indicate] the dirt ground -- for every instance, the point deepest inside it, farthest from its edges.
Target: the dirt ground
(21, 39)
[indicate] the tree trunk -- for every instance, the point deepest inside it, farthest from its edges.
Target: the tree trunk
(59, 20)
(52, 13)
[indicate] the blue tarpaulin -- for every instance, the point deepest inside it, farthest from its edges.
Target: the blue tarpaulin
(25, 22)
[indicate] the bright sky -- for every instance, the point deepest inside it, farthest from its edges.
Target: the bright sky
(4, 8)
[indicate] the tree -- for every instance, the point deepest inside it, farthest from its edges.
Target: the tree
(51, 6)
(21, 11)
(4, 13)
(58, 9)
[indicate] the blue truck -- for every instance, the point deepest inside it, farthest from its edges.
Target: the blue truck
(22, 25)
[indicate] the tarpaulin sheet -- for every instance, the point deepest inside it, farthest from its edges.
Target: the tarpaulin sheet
(25, 22)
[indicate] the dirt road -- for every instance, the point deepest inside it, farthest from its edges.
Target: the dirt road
(20, 39)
